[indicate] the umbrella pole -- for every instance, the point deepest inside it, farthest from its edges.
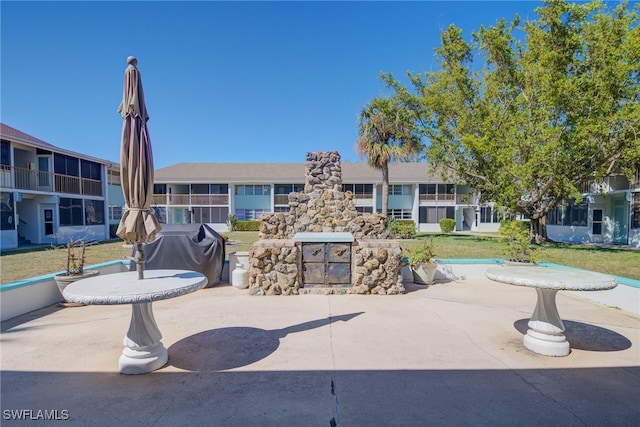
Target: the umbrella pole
(139, 260)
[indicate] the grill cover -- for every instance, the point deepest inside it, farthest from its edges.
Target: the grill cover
(196, 247)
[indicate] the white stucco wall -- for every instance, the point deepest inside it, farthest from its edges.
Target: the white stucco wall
(8, 239)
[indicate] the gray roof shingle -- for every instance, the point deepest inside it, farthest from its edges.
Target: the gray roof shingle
(286, 173)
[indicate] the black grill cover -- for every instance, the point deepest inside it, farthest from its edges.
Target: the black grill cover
(195, 247)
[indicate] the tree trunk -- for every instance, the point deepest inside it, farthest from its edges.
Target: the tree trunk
(539, 229)
(385, 188)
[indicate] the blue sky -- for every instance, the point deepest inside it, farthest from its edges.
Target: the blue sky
(223, 81)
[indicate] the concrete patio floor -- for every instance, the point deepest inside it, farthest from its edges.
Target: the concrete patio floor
(450, 354)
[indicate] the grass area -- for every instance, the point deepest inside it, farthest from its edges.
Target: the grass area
(619, 262)
(21, 265)
(18, 265)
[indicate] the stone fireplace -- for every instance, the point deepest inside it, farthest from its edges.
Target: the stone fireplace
(325, 259)
(322, 245)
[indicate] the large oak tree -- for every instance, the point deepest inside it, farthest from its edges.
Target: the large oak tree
(529, 112)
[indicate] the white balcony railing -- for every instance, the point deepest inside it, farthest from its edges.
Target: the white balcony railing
(29, 179)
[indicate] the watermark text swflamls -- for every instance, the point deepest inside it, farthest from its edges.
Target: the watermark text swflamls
(35, 414)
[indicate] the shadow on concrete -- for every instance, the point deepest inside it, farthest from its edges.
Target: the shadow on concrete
(414, 287)
(582, 336)
(229, 348)
(11, 325)
(456, 397)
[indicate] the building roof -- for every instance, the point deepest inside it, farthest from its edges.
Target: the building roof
(286, 173)
(17, 135)
(13, 134)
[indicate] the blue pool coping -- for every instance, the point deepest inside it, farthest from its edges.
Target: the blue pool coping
(621, 280)
(33, 280)
(45, 277)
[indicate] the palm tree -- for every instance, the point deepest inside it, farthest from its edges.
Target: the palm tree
(388, 132)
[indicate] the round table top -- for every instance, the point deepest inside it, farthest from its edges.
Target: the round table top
(125, 288)
(552, 278)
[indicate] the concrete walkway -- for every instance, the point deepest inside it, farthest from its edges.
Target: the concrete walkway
(449, 354)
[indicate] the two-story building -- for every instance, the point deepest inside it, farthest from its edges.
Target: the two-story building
(50, 194)
(609, 213)
(209, 192)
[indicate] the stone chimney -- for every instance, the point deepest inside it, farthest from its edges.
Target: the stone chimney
(322, 206)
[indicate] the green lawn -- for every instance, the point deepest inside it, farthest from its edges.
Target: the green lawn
(619, 262)
(626, 263)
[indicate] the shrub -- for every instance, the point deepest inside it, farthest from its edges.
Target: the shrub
(232, 222)
(517, 236)
(447, 225)
(514, 224)
(248, 226)
(401, 228)
(422, 253)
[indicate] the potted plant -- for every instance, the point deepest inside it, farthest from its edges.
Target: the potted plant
(421, 260)
(76, 251)
(517, 237)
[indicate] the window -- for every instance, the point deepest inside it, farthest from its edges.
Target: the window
(596, 226)
(428, 188)
(358, 189)
(635, 211)
(569, 215)
(262, 190)
(70, 211)
(433, 214)
(488, 214)
(90, 170)
(446, 188)
(436, 191)
(5, 151)
(219, 189)
(6, 212)
(210, 215)
(199, 188)
(66, 165)
(93, 212)
(159, 188)
(281, 209)
(160, 214)
(219, 214)
(552, 217)
(250, 190)
(115, 212)
(250, 214)
(399, 213)
(578, 215)
(364, 209)
(288, 188)
(400, 190)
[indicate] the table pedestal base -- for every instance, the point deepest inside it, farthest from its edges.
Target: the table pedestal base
(546, 333)
(143, 352)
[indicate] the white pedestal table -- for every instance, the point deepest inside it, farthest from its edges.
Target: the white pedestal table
(143, 351)
(546, 330)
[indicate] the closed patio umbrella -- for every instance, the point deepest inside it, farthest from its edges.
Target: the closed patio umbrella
(138, 224)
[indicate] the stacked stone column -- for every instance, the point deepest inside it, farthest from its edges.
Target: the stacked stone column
(323, 207)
